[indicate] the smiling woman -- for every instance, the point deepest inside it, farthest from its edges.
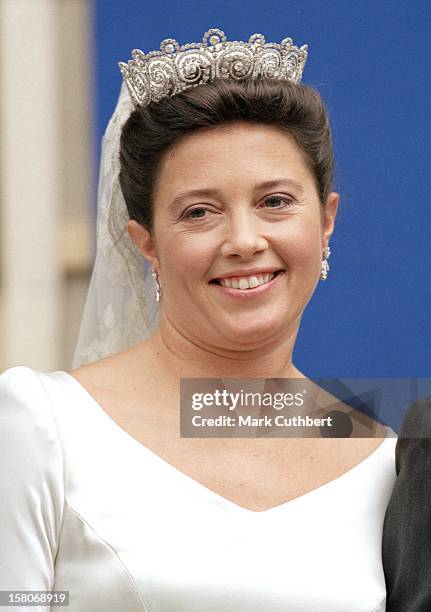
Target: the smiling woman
(243, 230)
(239, 186)
(229, 206)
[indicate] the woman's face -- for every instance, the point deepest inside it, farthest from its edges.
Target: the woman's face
(236, 201)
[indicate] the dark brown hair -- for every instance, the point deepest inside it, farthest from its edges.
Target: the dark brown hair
(150, 131)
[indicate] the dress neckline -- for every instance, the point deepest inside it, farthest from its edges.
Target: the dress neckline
(221, 499)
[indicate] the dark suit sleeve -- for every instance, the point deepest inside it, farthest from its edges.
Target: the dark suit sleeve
(407, 527)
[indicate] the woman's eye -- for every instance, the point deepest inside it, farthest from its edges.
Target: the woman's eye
(274, 200)
(194, 213)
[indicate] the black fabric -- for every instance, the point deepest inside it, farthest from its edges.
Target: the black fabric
(407, 525)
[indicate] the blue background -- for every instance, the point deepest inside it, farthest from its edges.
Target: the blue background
(370, 61)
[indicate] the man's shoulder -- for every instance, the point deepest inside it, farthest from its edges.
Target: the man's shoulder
(417, 420)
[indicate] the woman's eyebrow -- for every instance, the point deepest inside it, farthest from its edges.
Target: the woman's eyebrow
(279, 183)
(215, 192)
(182, 195)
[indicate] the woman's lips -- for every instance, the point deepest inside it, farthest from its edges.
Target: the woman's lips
(249, 293)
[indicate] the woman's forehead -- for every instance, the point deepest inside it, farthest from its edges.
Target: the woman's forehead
(235, 134)
(239, 152)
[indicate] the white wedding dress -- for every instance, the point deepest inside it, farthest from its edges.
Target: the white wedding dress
(86, 508)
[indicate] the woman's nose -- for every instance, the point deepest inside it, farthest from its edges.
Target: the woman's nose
(243, 237)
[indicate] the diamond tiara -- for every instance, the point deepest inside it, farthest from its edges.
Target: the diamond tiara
(152, 76)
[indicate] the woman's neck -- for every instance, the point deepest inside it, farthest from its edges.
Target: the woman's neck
(179, 356)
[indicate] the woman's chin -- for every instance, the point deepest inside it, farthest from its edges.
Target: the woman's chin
(251, 332)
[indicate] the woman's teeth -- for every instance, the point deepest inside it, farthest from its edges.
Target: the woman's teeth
(246, 282)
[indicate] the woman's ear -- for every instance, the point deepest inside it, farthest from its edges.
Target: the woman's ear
(328, 216)
(144, 241)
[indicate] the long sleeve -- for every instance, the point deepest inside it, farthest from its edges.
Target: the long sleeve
(407, 525)
(31, 484)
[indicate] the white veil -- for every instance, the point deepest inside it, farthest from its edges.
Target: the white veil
(121, 309)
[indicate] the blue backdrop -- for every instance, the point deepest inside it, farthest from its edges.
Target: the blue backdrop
(370, 61)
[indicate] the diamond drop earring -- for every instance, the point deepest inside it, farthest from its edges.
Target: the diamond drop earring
(324, 266)
(158, 285)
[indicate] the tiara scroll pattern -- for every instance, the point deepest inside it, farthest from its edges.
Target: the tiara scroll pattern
(152, 76)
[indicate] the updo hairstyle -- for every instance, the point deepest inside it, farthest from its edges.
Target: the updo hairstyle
(150, 131)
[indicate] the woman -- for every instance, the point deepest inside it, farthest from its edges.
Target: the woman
(228, 187)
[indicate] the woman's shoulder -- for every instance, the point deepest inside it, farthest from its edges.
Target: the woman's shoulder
(17, 373)
(21, 386)
(29, 389)
(26, 387)
(99, 373)
(117, 376)
(25, 407)
(30, 449)
(33, 404)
